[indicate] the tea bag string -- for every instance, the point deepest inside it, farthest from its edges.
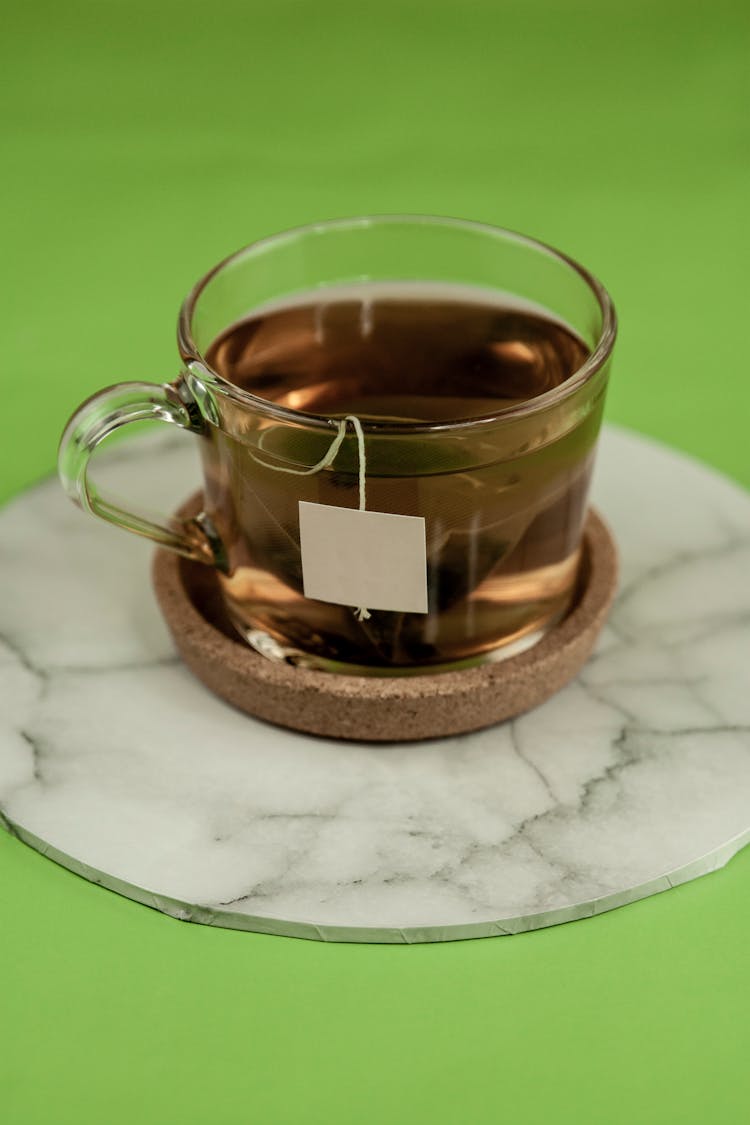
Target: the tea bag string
(362, 613)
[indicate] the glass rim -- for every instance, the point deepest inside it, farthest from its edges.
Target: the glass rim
(596, 359)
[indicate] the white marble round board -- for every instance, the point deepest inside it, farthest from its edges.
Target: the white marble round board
(119, 765)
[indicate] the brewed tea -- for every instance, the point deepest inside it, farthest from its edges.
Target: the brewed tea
(503, 531)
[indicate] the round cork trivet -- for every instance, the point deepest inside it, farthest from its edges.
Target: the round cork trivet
(380, 708)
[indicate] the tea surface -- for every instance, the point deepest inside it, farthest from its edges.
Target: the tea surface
(426, 353)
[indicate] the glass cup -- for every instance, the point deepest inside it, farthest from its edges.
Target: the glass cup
(503, 496)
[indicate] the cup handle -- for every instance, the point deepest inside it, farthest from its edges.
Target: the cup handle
(96, 419)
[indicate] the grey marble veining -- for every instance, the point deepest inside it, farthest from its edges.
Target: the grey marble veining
(117, 763)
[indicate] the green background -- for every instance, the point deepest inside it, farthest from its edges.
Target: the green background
(142, 142)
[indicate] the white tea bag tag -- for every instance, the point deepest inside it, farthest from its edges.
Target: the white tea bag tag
(372, 559)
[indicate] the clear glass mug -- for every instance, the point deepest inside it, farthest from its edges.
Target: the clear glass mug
(503, 496)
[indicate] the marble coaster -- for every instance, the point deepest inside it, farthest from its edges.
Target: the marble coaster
(377, 708)
(117, 763)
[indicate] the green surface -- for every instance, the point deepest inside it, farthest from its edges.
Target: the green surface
(141, 143)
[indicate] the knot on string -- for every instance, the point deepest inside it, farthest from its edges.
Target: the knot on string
(361, 613)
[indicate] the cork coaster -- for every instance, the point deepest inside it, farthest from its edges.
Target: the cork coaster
(372, 708)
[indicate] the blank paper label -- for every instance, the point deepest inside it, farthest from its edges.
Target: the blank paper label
(370, 559)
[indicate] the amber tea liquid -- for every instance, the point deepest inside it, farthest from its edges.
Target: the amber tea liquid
(502, 532)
